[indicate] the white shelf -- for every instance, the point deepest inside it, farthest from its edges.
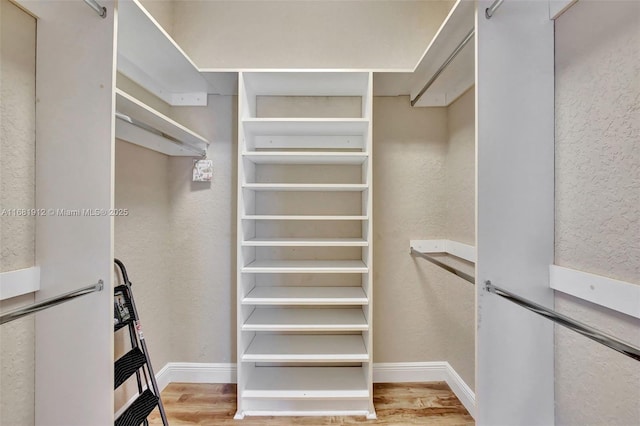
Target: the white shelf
(306, 348)
(308, 83)
(151, 58)
(306, 242)
(306, 126)
(310, 187)
(302, 217)
(307, 383)
(306, 319)
(188, 142)
(297, 157)
(456, 79)
(306, 266)
(306, 296)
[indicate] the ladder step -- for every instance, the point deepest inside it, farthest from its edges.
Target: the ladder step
(139, 410)
(128, 364)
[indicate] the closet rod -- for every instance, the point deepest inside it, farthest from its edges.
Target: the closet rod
(488, 12)
(30, 309)
(446, 63)
(143, 126)
(577, 326)
(100, 10)
(451, 269)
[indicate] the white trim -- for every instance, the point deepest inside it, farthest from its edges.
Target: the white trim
(618, 295)
(190, 372)
(402, 372)
(19, 282)
(460, 388)
(394, 372)
(164, 377)
(455, 248)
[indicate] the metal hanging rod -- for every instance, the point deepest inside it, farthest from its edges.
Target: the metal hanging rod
(143, 126)
(488, 12)
(446, 63)
(36, 307)
(446, 267)
(577, 326)
(100, 10)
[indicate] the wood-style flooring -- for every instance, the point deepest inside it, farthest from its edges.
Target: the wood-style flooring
(396, 404)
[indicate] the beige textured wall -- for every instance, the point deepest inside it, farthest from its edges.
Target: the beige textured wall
(460, 226)
(203, 224)
(597, 202)
(307, 34)
(421, 312)
(142, 242)
(17, 181)
(460, 169)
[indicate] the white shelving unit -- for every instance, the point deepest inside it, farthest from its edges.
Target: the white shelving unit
(304, 259)
(142, 125)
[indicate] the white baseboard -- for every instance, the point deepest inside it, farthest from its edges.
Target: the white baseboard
(394, 372)
(400, 372)
(459, 387)
(188, 372)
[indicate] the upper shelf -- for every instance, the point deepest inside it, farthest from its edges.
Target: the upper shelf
(151, 129)
(309, 83)
(151, 58)
(308, 157)
(456, 79)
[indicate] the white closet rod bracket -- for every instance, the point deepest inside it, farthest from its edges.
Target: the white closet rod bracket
(100, 10)
(488, 12)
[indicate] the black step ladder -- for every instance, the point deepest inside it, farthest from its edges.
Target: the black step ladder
(136, 360)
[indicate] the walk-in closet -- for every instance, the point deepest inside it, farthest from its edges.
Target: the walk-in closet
(228, 212)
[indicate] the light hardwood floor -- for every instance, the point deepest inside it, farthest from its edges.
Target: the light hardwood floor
(396, 404)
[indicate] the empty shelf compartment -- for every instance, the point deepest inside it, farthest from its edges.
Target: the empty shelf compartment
(309, 266)
(307, 383)
(302, 319)
(306, 348)
(306, 296)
